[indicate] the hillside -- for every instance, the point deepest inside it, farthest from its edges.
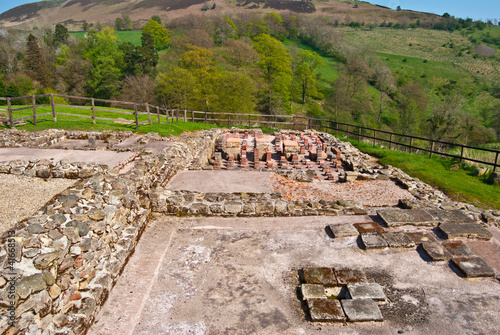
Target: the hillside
(74, 12)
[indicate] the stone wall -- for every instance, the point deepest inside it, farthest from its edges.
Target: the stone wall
(67, 258)
(45, 168)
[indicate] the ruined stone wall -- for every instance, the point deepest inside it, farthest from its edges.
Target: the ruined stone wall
(67, 258)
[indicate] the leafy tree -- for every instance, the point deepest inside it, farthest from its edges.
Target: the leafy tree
(239, 53)
(308, 62)
(412, 106)
(61, 34)
(34, 62)
(177, 88)
(233, 92)
(275, 63)
(72, 71)
(127, 22)
(138, 89)
(159, 34)
(148, 54)
(119, 25)
(13, 91)
(85, 25)
(156, 18)
(383, 79)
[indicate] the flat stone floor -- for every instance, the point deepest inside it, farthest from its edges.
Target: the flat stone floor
(239, 276)
(221, 181)
(109, 158)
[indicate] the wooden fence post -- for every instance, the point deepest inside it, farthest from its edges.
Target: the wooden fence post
(185, 119)
(177, 117)
(11, 118)
(461, 154)
(374, 137)
(33, 102)
(411, 143)
(496, 163)
(93, 110)
(359, 134)
(206, 116)
(158, 113)
(192, 116)
(293, 122)
(54, 117)
(136, 117)
(432, 149)
(249, 121)
(337, 128)
(229, 120)
(149, 114)
(347, 132)
(390, 141)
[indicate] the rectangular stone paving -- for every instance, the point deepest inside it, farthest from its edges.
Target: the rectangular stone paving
(358, 310)
(398, 240)
(422, 236)
(321, 276)
(343, 230)
(366, 291)
(373, 241)
(436, 251)
(403, 217)
(470, 230)
(368, 227)
(312, 291)
(350, 276)
(450, 216)
(473, 267)
(325, 310)
(458, 249)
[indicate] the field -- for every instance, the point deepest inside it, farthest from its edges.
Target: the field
(133, 37)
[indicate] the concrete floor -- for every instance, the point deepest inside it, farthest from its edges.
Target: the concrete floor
(239, 276)
(109, 158)
(221, 181)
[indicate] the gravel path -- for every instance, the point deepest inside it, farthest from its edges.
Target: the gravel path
(22, 196)
(368, 193)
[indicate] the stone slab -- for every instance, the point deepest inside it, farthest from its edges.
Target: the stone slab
(398, 240)
(358, 310)
(368, 227)
(469, 230)
(320, 276)
(350, 276)
(473, 267)
(325, 310)
(436, 251)
(422, 236)
(403, 217)
(343, 230)
(373, 241)
(312, 291)
(450, 216)
(366, 291)
(289, 143)
(458, 249)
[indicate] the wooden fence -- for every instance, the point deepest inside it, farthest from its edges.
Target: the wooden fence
(395, 141)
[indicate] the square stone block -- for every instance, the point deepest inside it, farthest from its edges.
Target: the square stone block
(233, 143)
(350, 276)
(469, 230)
(373, 241)
(398, 240)
(458, 249)
(312, 291)
(473, 267)
(368, 228)
(403, 217)
(450, 216)
(358, 310)
(436, 251)
(343, 230)
(321, 276)
(325, 310)
(366, 291)
(422, 236)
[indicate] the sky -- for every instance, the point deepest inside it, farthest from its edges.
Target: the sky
(475, 9)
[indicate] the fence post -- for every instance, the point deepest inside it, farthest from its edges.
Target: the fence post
(432, 149)
(192, 116)
(249, 122)
(177, 117)
(136, 117)
(293, 122)
(309, 123)
(33, 101)
(93, 110)
(337, 129)
(496, 162)
(347, 132)
(205, 116)
(185, 119)
(374, 137)
(149, 114)
(390, 141)
(229, 120)
(11, 118)
(54, 117)
(158, 113)
(461, 154)
(411, 143)
(359, 134)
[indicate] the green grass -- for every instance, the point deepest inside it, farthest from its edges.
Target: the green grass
(133, 36)
(76, 123)
(459, 185)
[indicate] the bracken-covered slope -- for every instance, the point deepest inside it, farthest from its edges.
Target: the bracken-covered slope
(74, 12)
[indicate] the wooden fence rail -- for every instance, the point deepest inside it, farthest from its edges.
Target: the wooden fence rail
(396, 141)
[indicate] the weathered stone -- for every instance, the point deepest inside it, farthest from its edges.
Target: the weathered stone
(368, 228)
(366, 291)
(59, 219)
(350, 276)
(473, 267)
(373, 241)
(312, 291)
(343, 230)
(54, 291)
(82, 227)
(199, 208)
(49, 278)
(422, 236)
(358, 310)
(39, 303)
(233, 207)
(45, 260)
(88, 307)
(36, 229)
(85, 173)
(401, 217)
(60, 320)
(469, 230)
(321, 276)
(96, 214)
(494, 178)
(398, 240)
(436, 251)
(450, 216)
(480, 171)
(325, 310)
(458, 249)
(265, 207)
(43, 173)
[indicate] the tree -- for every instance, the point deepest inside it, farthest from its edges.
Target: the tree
(398, 8)
(159, 34)
(275, 63)
(156, 18)
(72, 70)
(34, 62)
(138, 89)
(239, 53)
(233, 92)
(177, 88)
(148, 54)
(85, 25)
(60, 34)
(412, 106)
(127, 22)
(383, 79)
(307, 64)
(119, 25)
